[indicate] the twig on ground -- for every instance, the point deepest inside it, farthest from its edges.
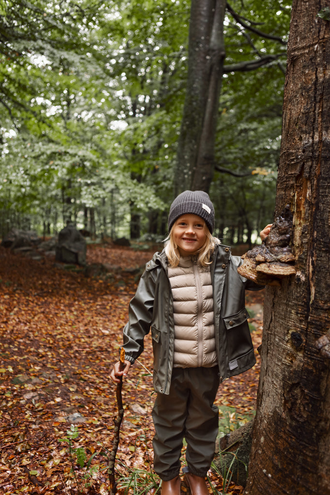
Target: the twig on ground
(144, 367)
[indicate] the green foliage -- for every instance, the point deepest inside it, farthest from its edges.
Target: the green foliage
(81, 456)
(92, 96)
(140, 481)
(324, 14)
(78, 456)
(252, 328)
(230, 420)
(225, 472)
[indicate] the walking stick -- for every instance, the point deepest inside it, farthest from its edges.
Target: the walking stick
(118, 421)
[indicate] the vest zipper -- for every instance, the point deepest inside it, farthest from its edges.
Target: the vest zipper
(199, 316)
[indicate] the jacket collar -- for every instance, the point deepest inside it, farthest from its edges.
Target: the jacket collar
(157, 259)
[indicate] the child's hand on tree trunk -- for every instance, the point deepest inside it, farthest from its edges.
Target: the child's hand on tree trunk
(265, 232)
(116, 373)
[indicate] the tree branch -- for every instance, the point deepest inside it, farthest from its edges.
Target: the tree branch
(253, 23)
(248, 38)
(240, 21)
(230, 172)
(279, 63)
(10, 113)
(251, 64)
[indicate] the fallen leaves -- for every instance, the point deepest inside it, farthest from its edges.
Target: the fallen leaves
(60, 334)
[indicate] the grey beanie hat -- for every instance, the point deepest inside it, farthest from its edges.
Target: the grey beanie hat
(196, 202)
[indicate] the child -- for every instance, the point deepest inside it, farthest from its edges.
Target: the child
(192, 298)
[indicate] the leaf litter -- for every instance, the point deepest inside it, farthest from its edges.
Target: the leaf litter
(60, 334)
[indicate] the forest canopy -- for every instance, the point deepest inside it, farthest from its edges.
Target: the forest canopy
(92, 96)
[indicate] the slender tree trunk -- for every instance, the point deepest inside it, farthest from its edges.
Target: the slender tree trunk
(135, 231)
(240, 231)
(291, 438)
(55, 221)
(92, 225)
(232, 232)
(163, 224)
(113, 215)
(248, 232)
(104, 218)
(195, 159)
(85, 217)
(135, 225)
(153, 221)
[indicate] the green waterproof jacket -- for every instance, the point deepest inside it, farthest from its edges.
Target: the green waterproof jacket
(152, 307)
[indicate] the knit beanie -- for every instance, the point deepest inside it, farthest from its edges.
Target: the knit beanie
(196, 202)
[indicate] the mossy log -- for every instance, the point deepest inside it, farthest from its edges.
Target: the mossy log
(235, 444)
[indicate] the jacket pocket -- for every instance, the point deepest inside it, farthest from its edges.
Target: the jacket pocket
(157, 347)
(239, 340)
(160, 363)
(237, 319)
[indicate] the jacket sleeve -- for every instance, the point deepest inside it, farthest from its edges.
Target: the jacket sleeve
(140, 317)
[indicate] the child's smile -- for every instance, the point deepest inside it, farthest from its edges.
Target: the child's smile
(189, 234)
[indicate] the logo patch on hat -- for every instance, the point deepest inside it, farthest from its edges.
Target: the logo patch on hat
(207, 208)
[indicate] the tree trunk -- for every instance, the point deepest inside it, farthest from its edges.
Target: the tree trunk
(232, 232)
(248, 233)
(135, 231)
(92, 224)
(104, 217)
(163, 224)
(290, 448)
(85, 217)
(153, 221)
(195, 160)
(113, 215)
(135, 224)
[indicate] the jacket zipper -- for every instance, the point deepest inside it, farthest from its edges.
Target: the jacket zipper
(199, 316)
(168, 334)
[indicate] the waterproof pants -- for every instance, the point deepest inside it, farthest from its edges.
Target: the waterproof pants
(187, 412)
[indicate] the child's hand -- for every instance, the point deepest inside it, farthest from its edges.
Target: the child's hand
(116, 373)
(264, 233)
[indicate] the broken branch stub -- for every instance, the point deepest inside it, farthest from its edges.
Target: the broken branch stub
(273, 259)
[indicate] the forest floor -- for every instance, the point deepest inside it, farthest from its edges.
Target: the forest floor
(59, 337)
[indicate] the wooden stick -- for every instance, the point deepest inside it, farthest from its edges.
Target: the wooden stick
(118, 420)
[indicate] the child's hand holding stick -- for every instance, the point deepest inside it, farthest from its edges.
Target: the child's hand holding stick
(116, 375)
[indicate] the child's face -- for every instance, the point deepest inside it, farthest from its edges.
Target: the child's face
(189, 233)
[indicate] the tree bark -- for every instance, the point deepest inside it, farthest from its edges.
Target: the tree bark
(290, 449)
(195, 159)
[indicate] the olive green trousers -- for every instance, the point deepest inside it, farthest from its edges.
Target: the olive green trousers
(187, 412)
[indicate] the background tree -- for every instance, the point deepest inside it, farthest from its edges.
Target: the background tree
(208, 29)
(291, 431)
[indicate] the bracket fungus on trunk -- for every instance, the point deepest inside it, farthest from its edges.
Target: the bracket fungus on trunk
(272, 260)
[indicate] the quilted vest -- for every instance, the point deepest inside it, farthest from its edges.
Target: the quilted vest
(194, 344)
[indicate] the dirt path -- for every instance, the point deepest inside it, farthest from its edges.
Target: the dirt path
(59, 337)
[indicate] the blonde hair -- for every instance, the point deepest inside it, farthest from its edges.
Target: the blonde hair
(203, 254)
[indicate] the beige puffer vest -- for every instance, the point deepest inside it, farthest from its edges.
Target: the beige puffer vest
(194, 344)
